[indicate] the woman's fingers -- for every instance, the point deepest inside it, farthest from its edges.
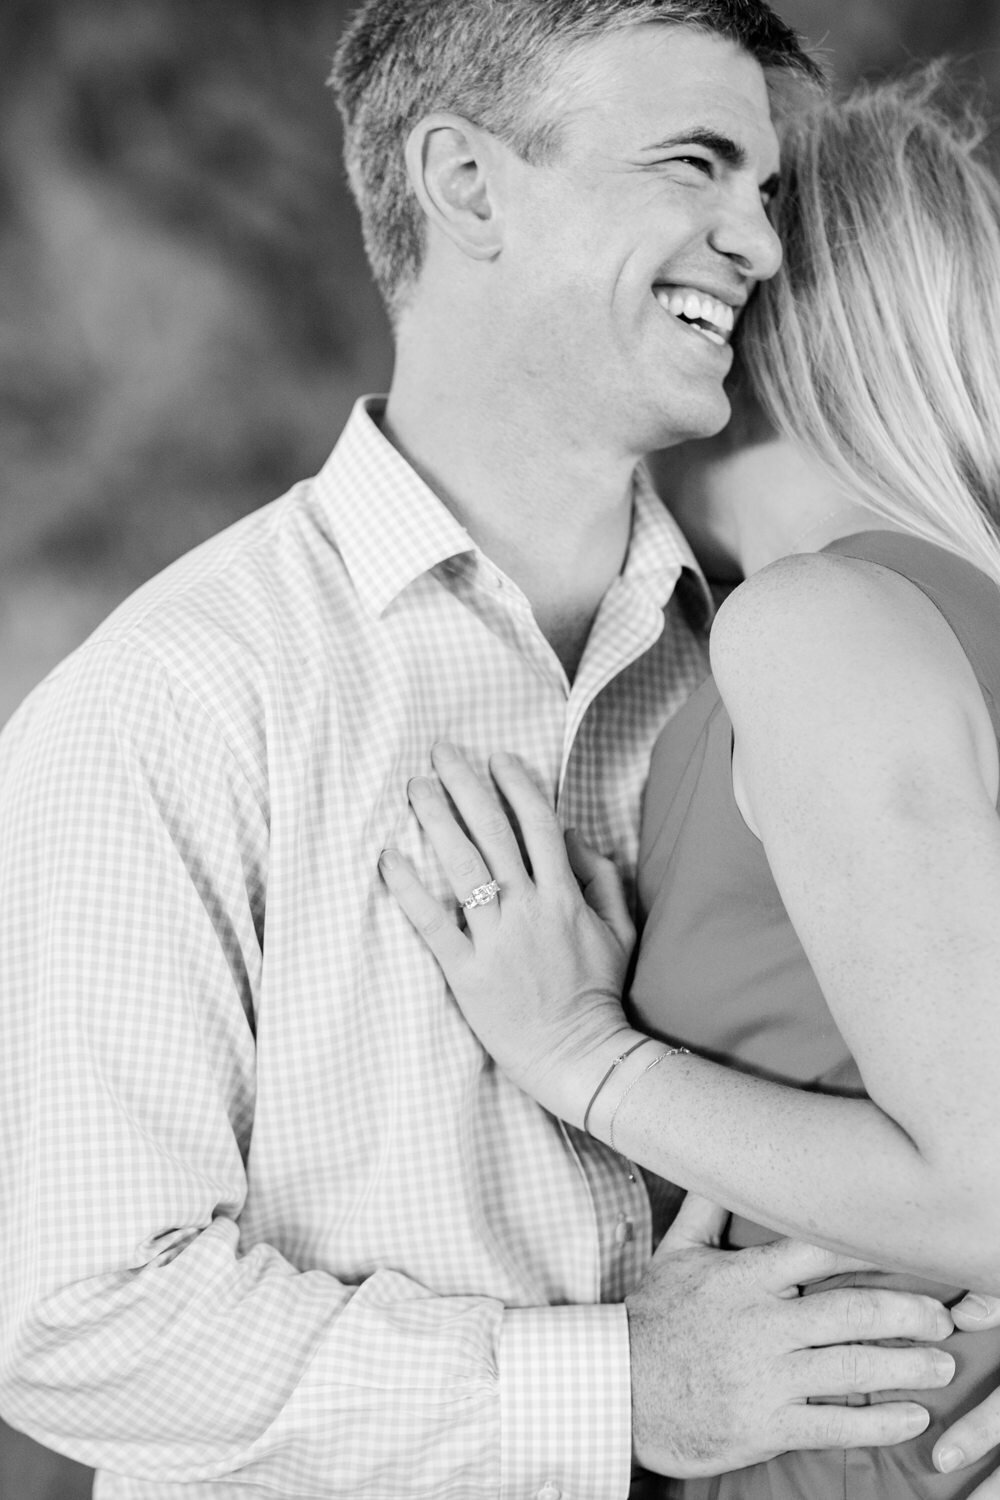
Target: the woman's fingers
(698, 1222)
(975, 1434)
(464, 865)
(977, 1431)
(602, 887)
(437, 926)
(976, 1311)
(490, 829)
(541, 832)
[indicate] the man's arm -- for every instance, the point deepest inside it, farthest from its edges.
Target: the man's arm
(140, 1332)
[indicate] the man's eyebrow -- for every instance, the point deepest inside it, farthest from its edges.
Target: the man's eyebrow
(723, 146)
(726, 149)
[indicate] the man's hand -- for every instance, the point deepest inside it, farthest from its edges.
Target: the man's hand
(726, 1354)
(979, 1430)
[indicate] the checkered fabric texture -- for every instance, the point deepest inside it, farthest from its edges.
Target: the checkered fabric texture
(272, 1222)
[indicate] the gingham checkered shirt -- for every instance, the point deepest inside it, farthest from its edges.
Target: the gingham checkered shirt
(272, 1222)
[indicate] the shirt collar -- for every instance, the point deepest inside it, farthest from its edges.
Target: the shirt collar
(660, 557)
(391, 528)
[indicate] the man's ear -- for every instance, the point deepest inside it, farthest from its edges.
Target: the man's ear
(452, 165)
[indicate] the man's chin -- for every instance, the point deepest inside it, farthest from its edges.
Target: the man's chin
(702, 419)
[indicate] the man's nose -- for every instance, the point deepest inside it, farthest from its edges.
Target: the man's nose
(746, 236)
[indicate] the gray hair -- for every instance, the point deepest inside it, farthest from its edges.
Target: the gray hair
(877, 347)
(489, 61)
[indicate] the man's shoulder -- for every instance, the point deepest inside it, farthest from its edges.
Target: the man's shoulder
(215, 624)
(229, 584)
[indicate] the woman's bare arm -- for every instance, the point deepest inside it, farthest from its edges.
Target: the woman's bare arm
(866, 762)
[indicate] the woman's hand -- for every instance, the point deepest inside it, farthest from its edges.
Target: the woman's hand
(975, 1433)
(538, 972)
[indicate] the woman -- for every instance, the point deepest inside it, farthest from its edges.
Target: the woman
(820, 860)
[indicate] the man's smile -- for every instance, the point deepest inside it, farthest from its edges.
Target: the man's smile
(710, 316)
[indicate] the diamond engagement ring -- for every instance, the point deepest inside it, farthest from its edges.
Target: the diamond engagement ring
(482, 895)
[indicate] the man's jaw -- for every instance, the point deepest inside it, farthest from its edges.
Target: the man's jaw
(712, 317)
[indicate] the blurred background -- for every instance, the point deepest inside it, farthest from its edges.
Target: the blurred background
(185, 313)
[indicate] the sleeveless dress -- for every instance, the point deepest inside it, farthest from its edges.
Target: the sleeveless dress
(721, 970)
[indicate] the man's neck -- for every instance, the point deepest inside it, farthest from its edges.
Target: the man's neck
(554, 518)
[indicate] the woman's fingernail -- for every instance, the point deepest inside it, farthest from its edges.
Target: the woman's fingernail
(975, 1308)
(444, 750)
(388, 859)
(419, 787)
(950, 1458)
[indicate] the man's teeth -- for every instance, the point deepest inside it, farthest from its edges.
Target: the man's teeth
(714, 319)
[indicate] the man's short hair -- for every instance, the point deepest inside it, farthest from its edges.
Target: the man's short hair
(488, 61)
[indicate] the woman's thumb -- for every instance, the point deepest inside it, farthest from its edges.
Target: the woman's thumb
(601, 886)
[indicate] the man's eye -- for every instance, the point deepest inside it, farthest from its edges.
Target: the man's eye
(701, 163)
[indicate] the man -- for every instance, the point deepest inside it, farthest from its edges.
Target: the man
(273, 1222)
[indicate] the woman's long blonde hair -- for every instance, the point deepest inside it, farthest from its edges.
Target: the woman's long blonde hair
(877, 347)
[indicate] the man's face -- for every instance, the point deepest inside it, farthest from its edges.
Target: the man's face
(628, 257)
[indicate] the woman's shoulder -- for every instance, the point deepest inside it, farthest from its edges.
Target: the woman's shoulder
(814, 608)
(878, 586)
(846, 641)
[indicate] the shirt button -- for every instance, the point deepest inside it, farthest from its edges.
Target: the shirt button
(548, 1491)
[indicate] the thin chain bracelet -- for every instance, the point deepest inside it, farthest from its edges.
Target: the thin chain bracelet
(669, 1052)
(619, 1059)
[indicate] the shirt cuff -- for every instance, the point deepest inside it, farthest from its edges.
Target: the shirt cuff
(565, 1403)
